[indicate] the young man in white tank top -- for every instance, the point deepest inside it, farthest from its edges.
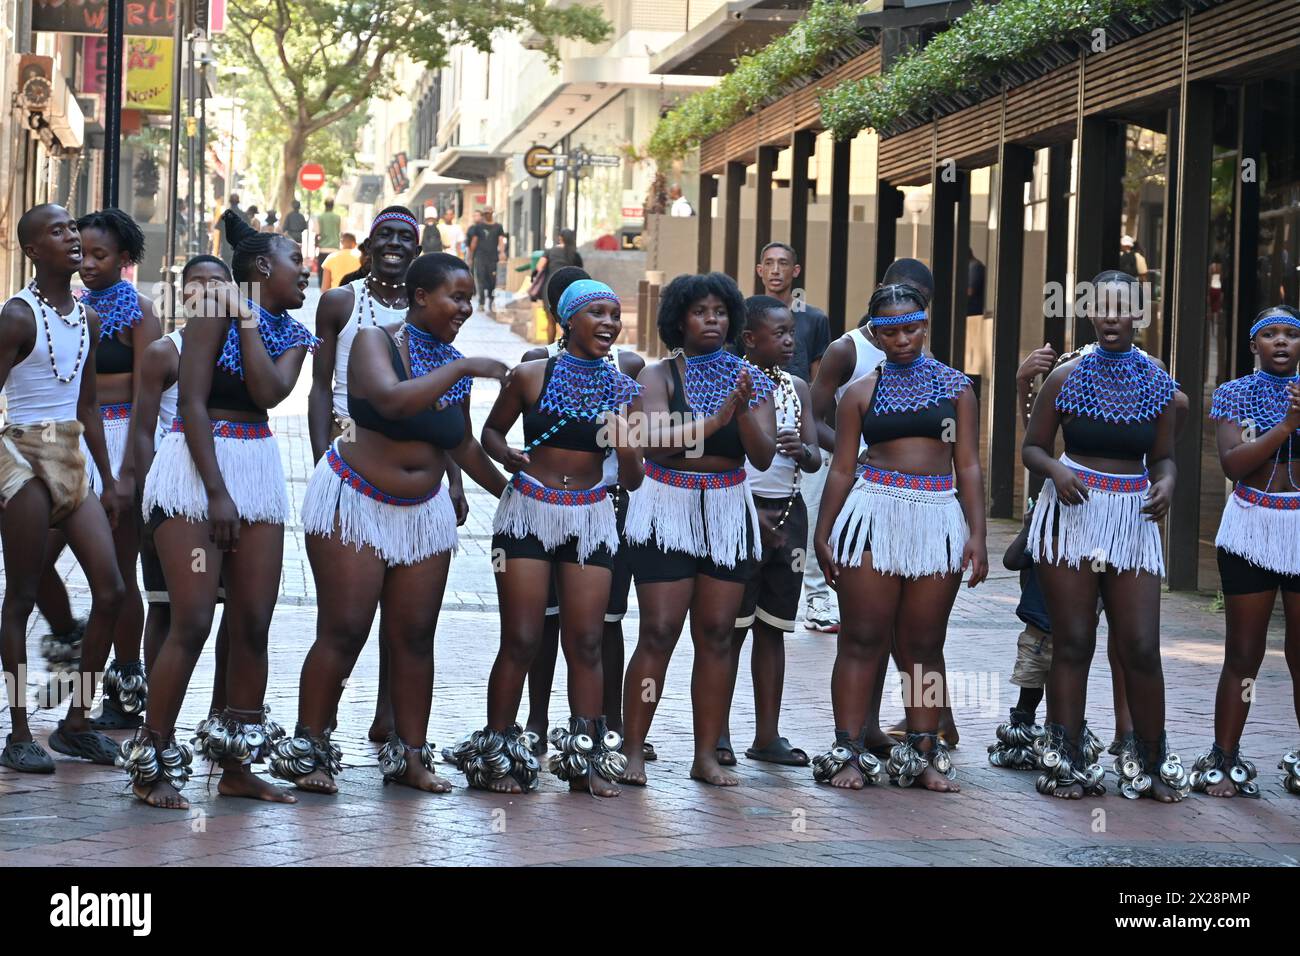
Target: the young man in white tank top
(47, 343)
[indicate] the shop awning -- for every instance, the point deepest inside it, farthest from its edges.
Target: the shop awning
(736, 28)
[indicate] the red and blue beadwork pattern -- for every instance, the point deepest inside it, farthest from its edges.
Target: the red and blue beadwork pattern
(1116, 387)
(710, 379)
(1260, 399)
(245, 431)
(694, 480)
(896, 479)
(1264, 499)
(115, 412)
(279, 334)
(919, 384)
(363, 487)
(558, 496)
(1115, 484)
(118, 307)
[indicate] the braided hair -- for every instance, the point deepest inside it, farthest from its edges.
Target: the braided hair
(911, 272)
(895, 293)
(249, 243)
(124, 230)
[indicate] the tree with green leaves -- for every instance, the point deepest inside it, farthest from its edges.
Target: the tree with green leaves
(322, 60)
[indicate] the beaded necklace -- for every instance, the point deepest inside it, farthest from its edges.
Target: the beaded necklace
(427, 353)
(391, 286)
(582, 389)
(786, 399)
(83, 339)
(279, 334)
(1116, 387)
(1258, 400)
(367, 306)
(118, 307)
(921, 383)
(711, 378)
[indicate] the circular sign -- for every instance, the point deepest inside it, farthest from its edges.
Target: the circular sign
(539, 161)
(312, 176)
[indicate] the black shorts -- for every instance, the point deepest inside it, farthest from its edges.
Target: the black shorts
(1240, 576)
(619, 587)
(651, 565)
(772, 593)
(531, 547)
(151, 569)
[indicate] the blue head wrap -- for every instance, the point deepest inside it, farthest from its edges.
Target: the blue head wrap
(580, 293)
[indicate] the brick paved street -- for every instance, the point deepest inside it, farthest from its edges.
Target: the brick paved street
(84, 815)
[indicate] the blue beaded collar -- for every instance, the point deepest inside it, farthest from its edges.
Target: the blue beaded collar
(1116, 387)
(585, 388)
(710, 378)
(429, 352)
(919, 384)
(279, 334)
(1258, 399)
(118, 307)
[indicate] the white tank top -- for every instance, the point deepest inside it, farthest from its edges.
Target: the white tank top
(610, 475)
(869, 358)
(34, 394)
(167, 401)
(376, 314)
(778, 480)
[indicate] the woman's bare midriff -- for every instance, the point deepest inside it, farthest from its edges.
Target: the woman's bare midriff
(704, 464)
(911, 456)
(113, 389)
(551, 466)
(404, 469)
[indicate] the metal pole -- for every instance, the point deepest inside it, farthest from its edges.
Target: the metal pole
(113, 101)
(202, 211)
(191, 229)
(173, 167)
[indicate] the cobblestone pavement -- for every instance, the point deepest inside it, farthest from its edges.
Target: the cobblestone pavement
(83, 815)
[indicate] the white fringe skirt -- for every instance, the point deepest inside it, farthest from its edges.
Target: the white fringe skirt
(117, 422)
(913, 524)
(248, 458)
(400, 530)
(557, 515)
(707, 515)
(1108, 527)
(1263, 527)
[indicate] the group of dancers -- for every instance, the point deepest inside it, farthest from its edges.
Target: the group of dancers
(130, 445)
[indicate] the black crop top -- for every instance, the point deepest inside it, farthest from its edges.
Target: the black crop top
(928, 422)
(576, 435)
(1098, 439)
(441, 428)
(113, 357)
(725, 442)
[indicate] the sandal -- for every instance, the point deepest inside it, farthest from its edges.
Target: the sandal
(26, 756)
(113, 717)
(724, 747)
(86, 744)
(648, 753)
(779, 751)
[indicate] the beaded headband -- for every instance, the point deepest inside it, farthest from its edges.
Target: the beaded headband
(399, 216)
(1274, 318)
(581, 293)
(878, 321)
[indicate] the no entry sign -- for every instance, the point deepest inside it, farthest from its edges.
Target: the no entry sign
(312, 176)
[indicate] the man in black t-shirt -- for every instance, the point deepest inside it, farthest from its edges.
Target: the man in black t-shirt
(295, 224)
(777, 268)
(487, 247)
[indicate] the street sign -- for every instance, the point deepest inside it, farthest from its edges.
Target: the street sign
(311, 176)
(539, 161)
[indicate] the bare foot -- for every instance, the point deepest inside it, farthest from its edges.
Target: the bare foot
(594, 784)
(163, 795)
(380, 730)
(848, 778)
(420, 778)
(932, 779)
(634, 775)
(708, 770)
(505, 785)
(1073, 791)
(318, 781)
(1163, 793)
(242, 782)
(1224, 788)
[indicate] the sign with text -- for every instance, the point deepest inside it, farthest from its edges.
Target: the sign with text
(148, 72)
(150, 18)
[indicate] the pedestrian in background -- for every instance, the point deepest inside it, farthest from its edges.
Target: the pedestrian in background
(487, 247)
(295, 223)
(328, 229)
(339, 263)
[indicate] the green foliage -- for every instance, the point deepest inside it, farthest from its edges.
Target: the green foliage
(977, 47)
(318, 61)
(828, 25)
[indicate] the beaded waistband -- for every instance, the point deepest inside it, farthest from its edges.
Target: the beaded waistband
(1115, 484)
(896, 479)
(558, 496)
(1287, 501)
(363, 487)
(225, 429)
(115, 412)
(694, 479)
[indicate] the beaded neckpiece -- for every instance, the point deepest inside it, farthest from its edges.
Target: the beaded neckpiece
(711, 378)
(428, 352)
(279, 334)
(919, 384)
(585, 388)
(118, 307)
(1260, 399)
(76, 318)
(1116, 387)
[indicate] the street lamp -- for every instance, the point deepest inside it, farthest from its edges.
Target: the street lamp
(917, 203)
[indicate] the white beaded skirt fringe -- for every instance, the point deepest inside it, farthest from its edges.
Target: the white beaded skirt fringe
(707, 515)
(913, 524)
(249, 461)
(117, 422)
(1263, 528)
(400, 530)
(556, 515)
(1108, 527)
